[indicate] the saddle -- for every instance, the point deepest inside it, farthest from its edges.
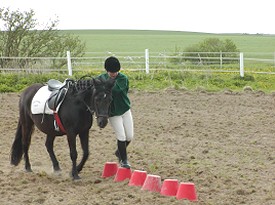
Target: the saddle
(57, 96)
(59, 91)
(55, 84)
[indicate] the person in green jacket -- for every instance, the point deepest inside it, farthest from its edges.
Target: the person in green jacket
(120, 109)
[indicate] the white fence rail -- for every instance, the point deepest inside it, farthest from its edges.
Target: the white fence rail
(146, 61)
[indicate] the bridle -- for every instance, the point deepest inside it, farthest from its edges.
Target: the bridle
(97, 115)
(87, 85)
(89, 108)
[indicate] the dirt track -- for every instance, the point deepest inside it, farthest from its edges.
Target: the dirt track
(223, 142)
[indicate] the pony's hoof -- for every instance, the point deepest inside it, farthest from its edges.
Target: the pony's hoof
(57, 172)
(28, 170)
(57, 169)
(76, 178)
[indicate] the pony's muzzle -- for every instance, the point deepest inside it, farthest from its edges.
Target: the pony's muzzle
(102, 121)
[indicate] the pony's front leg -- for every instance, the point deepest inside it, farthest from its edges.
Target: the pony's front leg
(73, 153)
(49, 146)
(84, 140)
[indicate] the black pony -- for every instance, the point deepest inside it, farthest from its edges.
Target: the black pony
(79, 100)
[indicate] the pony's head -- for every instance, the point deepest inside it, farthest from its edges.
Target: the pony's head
(102, 99)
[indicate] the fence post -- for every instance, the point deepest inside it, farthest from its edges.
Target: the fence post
(241, 65)
(147, 60)
(69, 63)
(220, 59)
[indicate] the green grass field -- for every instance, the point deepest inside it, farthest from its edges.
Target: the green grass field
(103, 41)
(159, 41)
(124, 42)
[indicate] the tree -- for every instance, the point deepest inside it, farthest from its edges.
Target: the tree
(210, 49)
(213, 45)
(19, 37)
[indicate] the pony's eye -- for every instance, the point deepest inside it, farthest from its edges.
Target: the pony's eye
(104, 95)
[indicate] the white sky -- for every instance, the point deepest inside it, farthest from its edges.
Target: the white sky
(209, 16)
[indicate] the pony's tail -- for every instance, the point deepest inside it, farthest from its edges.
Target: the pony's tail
(17, 147)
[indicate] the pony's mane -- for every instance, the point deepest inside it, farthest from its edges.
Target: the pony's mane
(88, 83)
(84, 84)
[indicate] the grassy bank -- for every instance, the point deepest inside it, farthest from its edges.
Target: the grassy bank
(156, 81)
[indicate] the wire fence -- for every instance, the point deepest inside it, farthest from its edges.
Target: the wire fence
(145, 61)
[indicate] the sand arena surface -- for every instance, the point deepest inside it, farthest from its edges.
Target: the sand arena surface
(223, 142)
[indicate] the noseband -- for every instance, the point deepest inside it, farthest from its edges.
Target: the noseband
(104, 116)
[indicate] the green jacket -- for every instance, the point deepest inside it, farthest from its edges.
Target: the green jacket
(121, 102)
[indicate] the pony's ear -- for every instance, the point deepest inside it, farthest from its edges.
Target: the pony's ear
(96, 81)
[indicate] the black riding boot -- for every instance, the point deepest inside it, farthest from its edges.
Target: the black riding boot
(117, 152)
(121, 153)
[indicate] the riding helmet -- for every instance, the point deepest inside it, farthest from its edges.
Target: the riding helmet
(112, 64)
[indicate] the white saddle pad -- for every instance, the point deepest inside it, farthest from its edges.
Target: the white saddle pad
(39, 105)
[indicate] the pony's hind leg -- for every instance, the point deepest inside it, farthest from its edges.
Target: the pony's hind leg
(27, 130)
(84, 140)
(17, 147)
(49, 146)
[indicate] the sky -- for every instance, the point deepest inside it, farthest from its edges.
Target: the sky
(207, 16)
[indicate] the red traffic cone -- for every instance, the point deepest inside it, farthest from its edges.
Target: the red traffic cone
(110, 169)
(138, 177)
(122, 174)
(152, 183)
(169, 187)
(187, 191)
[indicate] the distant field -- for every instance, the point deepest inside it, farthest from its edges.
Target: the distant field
(158, 41)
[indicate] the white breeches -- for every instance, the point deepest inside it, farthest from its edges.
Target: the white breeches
(123, 126)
